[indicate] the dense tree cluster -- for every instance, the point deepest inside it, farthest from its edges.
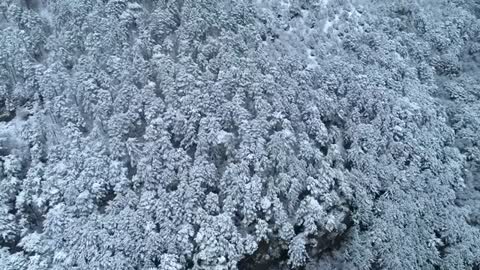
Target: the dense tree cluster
(253, 134)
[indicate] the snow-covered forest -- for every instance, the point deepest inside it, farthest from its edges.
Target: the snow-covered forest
(243, 135)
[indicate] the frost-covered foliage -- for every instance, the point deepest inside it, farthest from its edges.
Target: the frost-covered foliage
(266, 134)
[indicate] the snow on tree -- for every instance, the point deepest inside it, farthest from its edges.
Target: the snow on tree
(139, 134)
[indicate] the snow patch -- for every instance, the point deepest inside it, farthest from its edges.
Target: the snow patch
(45, 13)
(285, 4)
(11, 127)
(329, 23)
(324, 3)
(353, 11)
(223, 137)
(10, 133)
(312, 60)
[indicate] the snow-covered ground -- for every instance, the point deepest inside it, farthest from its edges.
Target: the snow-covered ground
(10, 133)
(300, 28)
(329, 23)
(45, 13)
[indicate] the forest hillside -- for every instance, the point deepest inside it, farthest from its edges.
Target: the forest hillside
(247, 134)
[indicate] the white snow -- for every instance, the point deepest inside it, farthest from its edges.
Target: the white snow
(324, 3)
(265, 203)
(11, 129)
(312, 59)
(329, 23)
(353, 11)
(44, 13)
(309, 54)
(285, 4)
(223, 137)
